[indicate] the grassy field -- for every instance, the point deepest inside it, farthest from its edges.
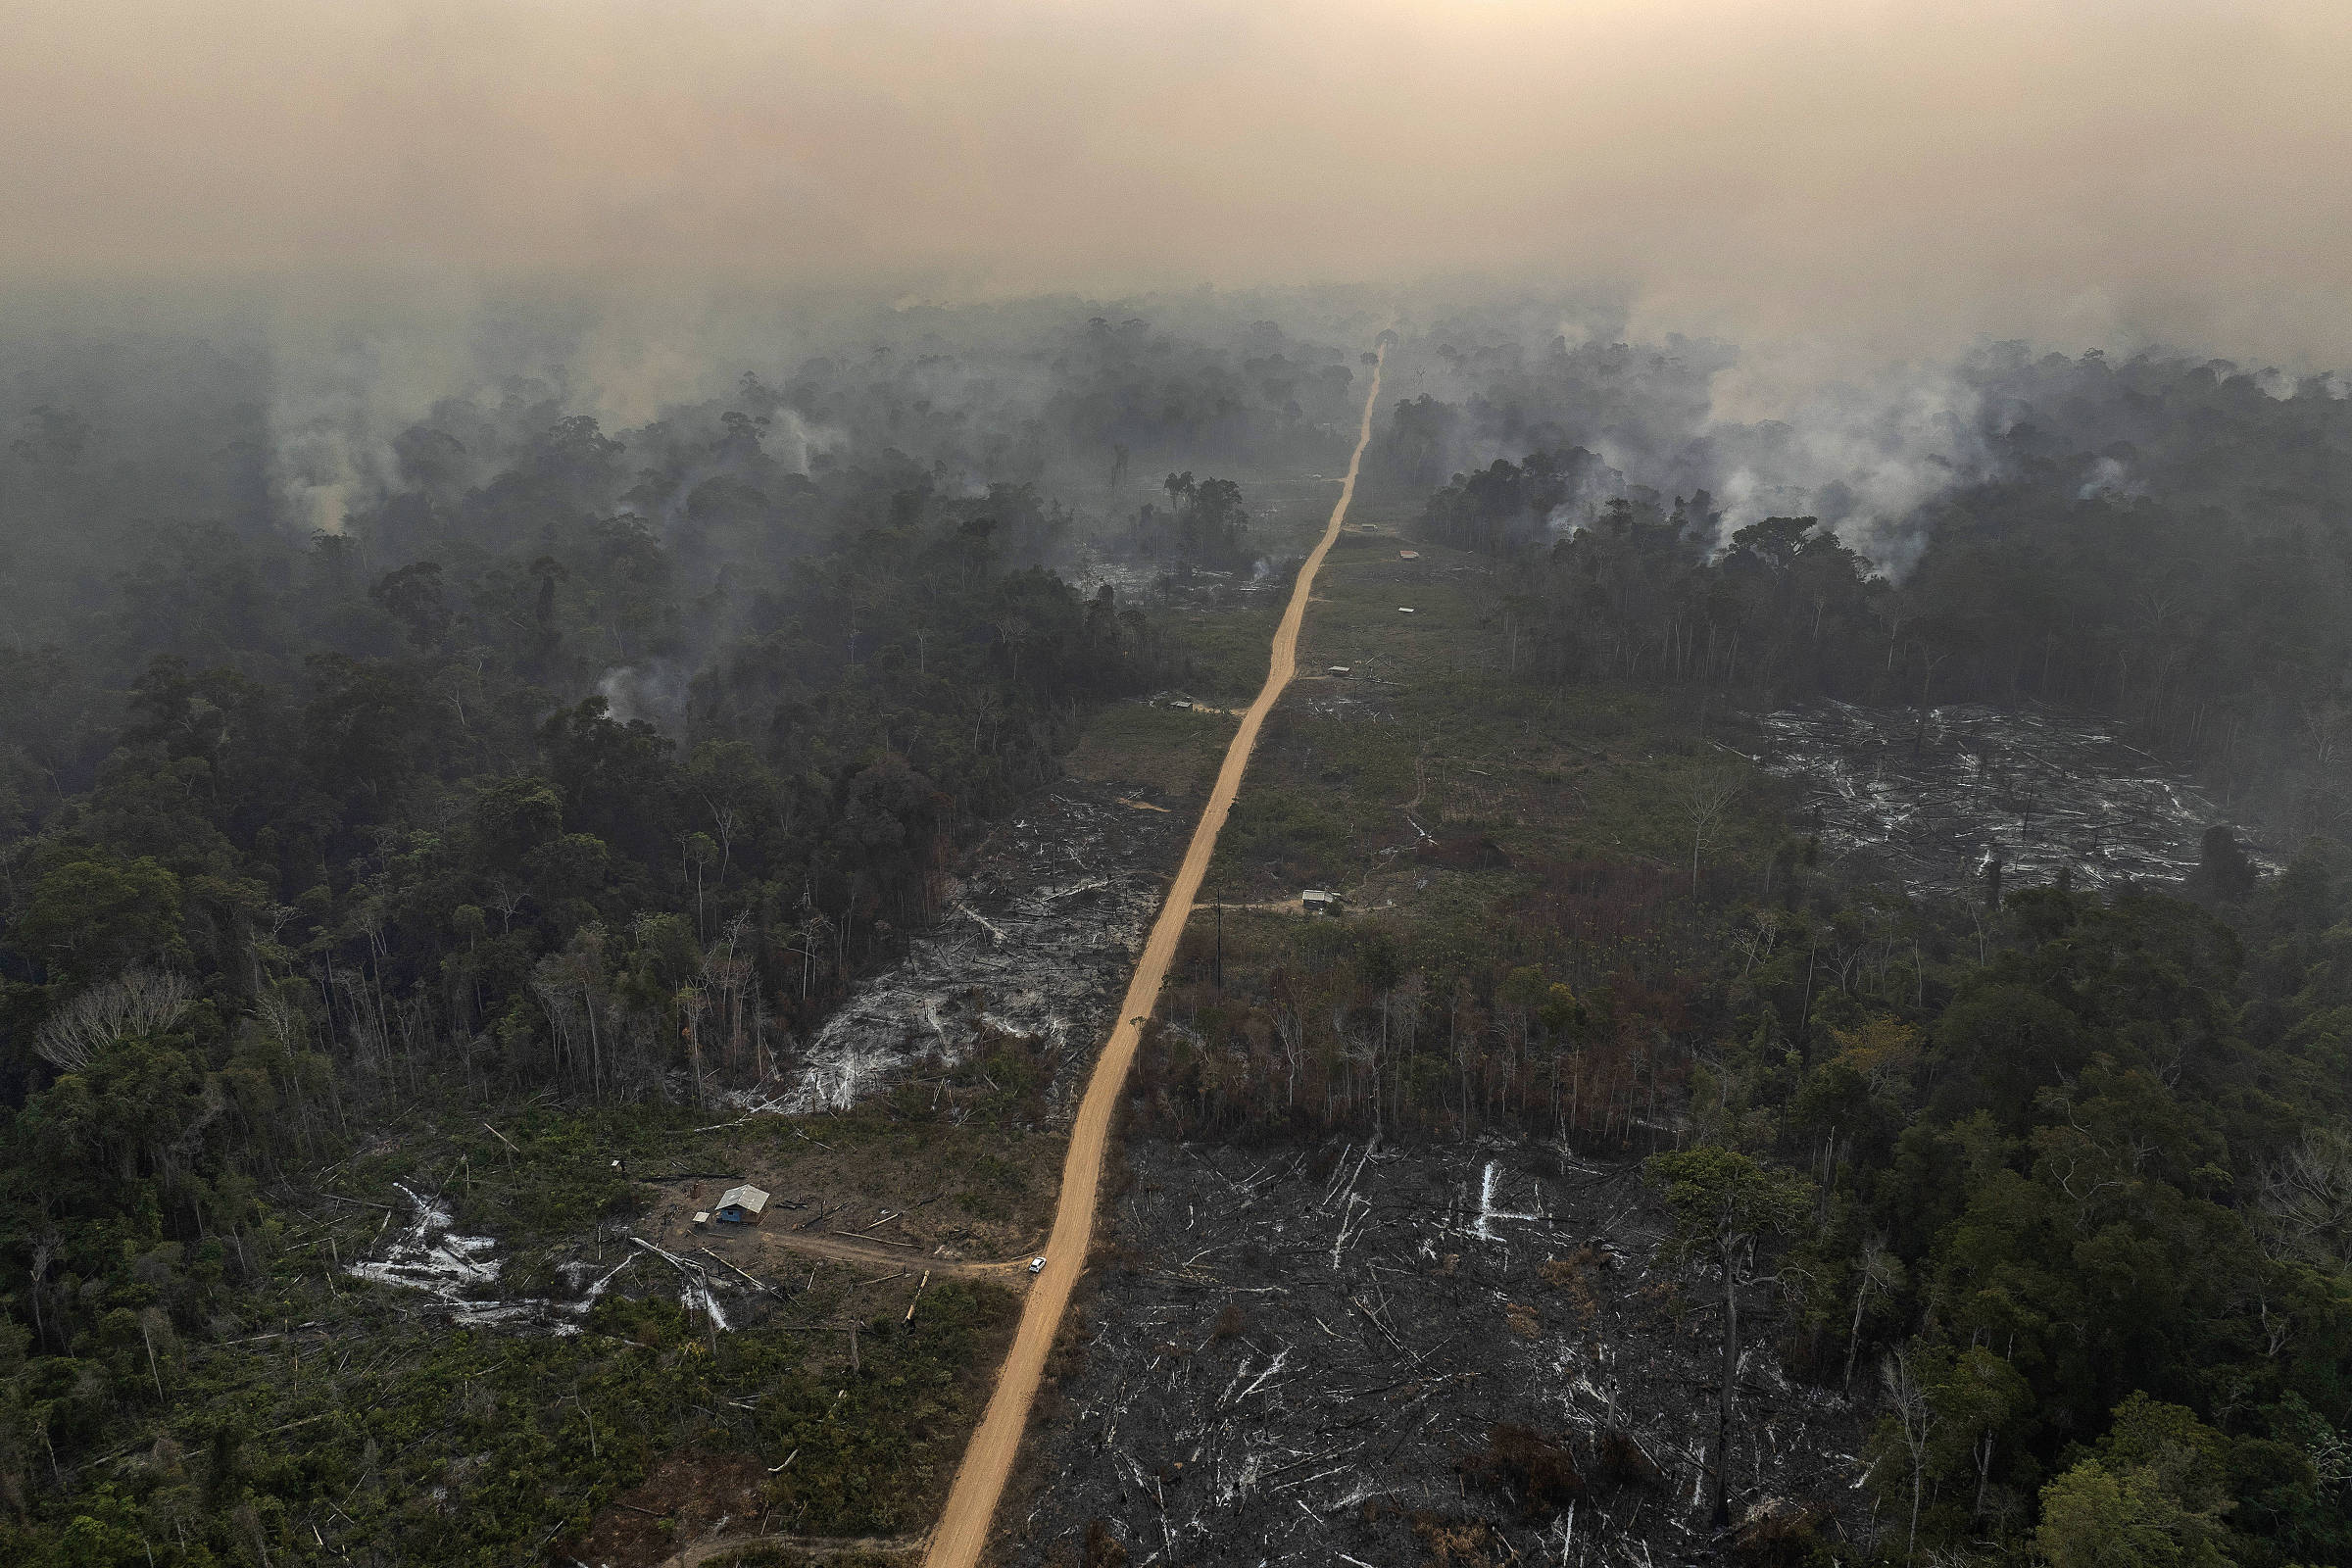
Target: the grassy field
(1445, 794)
(1169, 753)
(1288, 514)
(1223, 657)
(1474, 819)
(1429, 737)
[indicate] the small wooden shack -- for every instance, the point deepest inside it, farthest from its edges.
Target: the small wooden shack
(1317, 902)
(741, 1205)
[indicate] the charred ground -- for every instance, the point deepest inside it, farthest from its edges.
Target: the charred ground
(1461, 1354)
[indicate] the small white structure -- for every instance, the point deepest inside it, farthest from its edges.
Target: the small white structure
(1340, 671)
(1317, 902)
(1404, 610)
(741, 1205)
(702, 1218)
(1408, 555)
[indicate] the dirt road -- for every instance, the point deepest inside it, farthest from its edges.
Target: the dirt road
(787, 1237)
(963, 1530)
(848, 1250)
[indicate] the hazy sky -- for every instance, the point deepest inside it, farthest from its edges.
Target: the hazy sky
(1919, 174)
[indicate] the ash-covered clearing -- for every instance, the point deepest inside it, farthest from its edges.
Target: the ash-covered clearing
(1307, 1356)
(1036, 940)
(1935, 803)
(460, 1275)
(1365, 699)
(1141, 580)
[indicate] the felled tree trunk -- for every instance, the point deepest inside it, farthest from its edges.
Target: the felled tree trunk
(1720, 1482)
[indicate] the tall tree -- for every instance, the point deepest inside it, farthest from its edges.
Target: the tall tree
(1724, 1203)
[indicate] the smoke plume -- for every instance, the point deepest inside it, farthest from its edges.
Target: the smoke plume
(1894, 179)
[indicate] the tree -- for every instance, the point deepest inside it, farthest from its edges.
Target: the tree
(2305, 1201)
(1217, 523)
(1976, 1395)
(412, 597)
(1913, 1416)
(2154, 1496)
(1877, 1269)
(1996, 1045)
(137, 1002)
(1703, 795)
(1724, 1203)
(2093, 1517)
(2225, 873)
(98, 914)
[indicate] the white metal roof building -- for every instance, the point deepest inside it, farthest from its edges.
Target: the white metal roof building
(742, 1206)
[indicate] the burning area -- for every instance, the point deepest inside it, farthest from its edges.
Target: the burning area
(1466, 1353)
(460, 1274)
(1936, 799)
(1040, 932)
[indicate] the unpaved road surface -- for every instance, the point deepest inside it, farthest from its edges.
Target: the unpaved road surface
(787, 1235)
(847, 1250)
(963, 1530)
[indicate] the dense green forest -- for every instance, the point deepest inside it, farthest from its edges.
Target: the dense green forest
(565, 767)
(2158, 540)
(2058, 1156)
(580, 771)
(2073, 1170)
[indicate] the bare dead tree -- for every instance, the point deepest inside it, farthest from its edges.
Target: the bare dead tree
(2323, 726)
(1914, 1417)
(137, 1002)
(1703, 795)
(1290, 1030)
(1879, 1270)
(44, 1252)
(2305, 1201)
(692, 1007)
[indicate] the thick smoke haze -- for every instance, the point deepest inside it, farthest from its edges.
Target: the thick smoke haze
(625, 206)
(1875, 178)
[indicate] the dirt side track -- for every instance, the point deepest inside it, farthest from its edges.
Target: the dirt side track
(963, 1530)
(843, 1250)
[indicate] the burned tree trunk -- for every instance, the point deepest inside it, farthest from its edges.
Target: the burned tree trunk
(1719, 1480)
